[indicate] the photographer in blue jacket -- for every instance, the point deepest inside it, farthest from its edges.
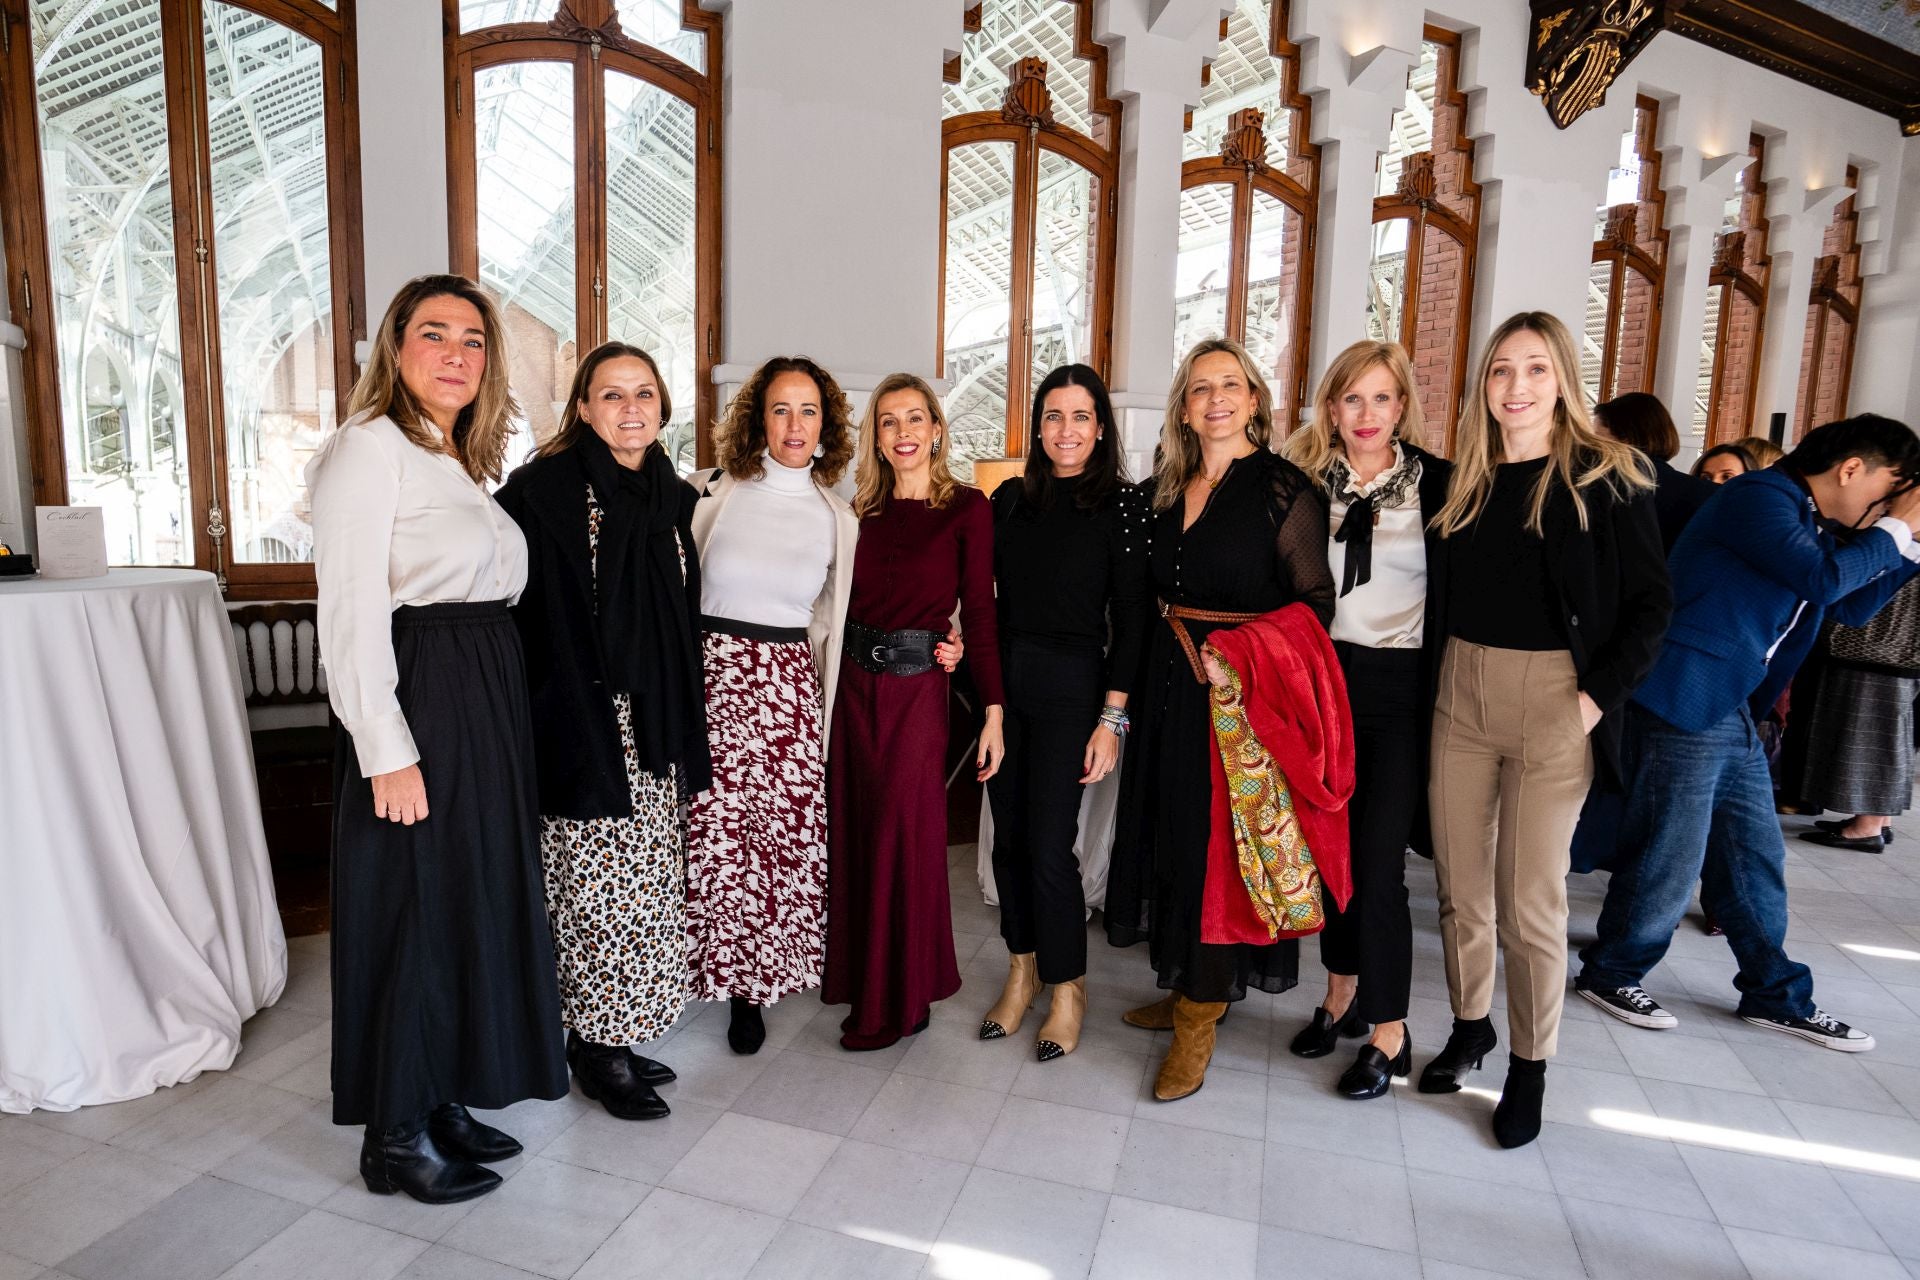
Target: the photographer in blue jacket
(1754, 575)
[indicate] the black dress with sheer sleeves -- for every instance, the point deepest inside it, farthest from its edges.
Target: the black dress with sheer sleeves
(1259, 544)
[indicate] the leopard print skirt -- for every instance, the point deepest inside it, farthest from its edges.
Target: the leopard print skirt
(616, 893)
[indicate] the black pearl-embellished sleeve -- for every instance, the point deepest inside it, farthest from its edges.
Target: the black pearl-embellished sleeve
(1130, 598)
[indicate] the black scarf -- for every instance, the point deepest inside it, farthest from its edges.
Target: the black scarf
(1356, 528)
(649, 638)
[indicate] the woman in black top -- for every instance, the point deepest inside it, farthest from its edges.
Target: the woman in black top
(1555, 602)
(1236, 530)
(1069, 549)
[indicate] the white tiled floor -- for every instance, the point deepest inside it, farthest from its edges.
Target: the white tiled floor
(1714, 1150)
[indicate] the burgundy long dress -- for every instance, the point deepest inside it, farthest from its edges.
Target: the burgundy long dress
(889, 920)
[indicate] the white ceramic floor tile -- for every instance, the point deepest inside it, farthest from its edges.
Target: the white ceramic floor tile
(1630, 1171)
(1360, 1201)
(1782, 1196)
(932, 1117)
(1055, 1142)
(1006, 1225)
(1504, 1228)
(1773, 1257)
(678, 1235)
(881, 1193)
(1153, 1240)
(1092, 1077)
(1288, 1255)
(753, 1164)
(1617, 1245)
(813, 1092)
(637, 1150)
(442, 1263)
(194, 1234)
(306, 1159)
(548, 1218)
(324, 1246)
(82, 1200)
(1230, 1101)
(804, 1253)
(1192, 1168)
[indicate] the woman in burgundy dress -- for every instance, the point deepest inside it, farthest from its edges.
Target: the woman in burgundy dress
(926, 542)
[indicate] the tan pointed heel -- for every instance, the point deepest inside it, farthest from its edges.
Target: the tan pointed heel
(1060, 1033)
(1185, 1068)
(1157, 1016)
(1023, 985)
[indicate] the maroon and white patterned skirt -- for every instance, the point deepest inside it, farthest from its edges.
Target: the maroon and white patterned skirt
(757, 841)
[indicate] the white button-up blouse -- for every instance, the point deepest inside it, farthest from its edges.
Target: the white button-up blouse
(393, 525)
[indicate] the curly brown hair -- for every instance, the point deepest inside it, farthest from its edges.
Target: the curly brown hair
(740, 438)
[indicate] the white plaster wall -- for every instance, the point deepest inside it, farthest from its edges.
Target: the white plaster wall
(832, 179)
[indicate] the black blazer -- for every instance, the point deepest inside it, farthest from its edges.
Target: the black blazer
(1615, 600)
(578, 755)
(1435, 473)
(1676, 496)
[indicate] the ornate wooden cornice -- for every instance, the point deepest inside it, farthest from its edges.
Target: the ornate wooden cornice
(1245, 141)
(1416, 179)
(568, 25)
(1623, 226)
(1028, 102)
(1579, 48)
(1730, 254)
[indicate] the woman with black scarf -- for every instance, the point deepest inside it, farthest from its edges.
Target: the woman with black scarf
(609, 621)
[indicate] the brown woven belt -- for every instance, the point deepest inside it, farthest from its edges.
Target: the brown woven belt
(1174, 613)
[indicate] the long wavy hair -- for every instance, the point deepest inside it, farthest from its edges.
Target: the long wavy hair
(1179, 453)
(1580, 456)
(740, 438)
(572, 425)
(480, 432)
(1314, 449)
(1105, 471)
(873, 475)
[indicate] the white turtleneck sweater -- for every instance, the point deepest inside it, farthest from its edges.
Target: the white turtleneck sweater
(767, 558)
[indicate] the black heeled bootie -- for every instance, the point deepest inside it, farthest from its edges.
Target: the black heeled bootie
(606, 1074)
(747, 1030)
(404, 1158)
(1372, 1071)
(1321, 1036)
(1516, 1118)
(1472, 1040)
(651, 1072)
(458, 1135)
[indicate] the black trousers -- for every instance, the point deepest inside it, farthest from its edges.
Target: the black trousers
(1373, 937)
(1053, 703)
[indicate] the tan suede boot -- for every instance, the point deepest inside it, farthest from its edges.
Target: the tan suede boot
(1023, 984)
(1185, 1069)
(1157, 1016)
(1060, 1033)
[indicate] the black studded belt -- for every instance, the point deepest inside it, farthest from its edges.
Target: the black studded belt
(891, 653)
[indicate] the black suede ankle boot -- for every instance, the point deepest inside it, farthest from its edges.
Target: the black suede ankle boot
(1516, 1119)
(1471, 1041)
(747, 1030)
(403, 1158)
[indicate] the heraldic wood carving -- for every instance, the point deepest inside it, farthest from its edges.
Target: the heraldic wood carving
(1028, 101)
(1416, 179)
(1730, 254)
(1623, 226)
(568, 25)
(1245, 141)
(1578, 50)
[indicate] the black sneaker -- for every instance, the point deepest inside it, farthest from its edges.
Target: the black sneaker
(1631, 1004)
(1822, 1029)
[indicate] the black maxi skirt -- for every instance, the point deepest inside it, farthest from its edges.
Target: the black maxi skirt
(443, 969)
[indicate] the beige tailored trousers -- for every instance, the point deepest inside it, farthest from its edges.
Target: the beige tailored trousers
(1511, 767)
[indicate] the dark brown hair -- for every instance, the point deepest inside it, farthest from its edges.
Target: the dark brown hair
(571, 423)
(1640, 420)
(741, 437)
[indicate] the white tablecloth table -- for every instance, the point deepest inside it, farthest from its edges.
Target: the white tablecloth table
(138, 927)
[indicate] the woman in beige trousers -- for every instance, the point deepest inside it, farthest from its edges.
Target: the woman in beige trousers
(1555, 602)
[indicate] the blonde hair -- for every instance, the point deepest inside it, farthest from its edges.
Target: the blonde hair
(572, 425)
(741, 437)
(1179, 460)
(1579, 455)
(1314, 448)
(873, 474)
(480, 432)
(1764, 451)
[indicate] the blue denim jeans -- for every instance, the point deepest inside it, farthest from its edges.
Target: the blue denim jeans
(1699, 809)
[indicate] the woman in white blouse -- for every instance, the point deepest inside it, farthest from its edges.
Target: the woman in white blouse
(1363, 449)
(443, 974)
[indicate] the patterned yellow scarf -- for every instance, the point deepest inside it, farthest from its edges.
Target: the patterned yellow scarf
(1275, 863)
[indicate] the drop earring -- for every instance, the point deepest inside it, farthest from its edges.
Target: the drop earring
(936, 446)
(820, 450)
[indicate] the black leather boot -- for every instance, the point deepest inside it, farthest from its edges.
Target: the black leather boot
(461, 1137)
(404, 1158)
(1322, 1036)
(1516, 1117)
(748, 1030)
(1472, 1040)
(650, 1071)
(606, 1074)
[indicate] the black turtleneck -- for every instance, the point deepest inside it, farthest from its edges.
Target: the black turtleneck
(1499, 592)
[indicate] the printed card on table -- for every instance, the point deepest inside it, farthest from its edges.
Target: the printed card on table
(72, 542)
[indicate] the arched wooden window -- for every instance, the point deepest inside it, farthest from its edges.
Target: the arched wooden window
(1029, 162)
(584, 157)
(1833, 318)
(1736, 309)
(1629, 272)
(1426, 225)
(182, 228)
(1249, 188)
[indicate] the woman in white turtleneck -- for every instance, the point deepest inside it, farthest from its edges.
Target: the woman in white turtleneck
(776, 557)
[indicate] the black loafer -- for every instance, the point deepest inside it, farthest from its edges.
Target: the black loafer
(1372, 1072)
(1321, 1036)
(1838, 826)
(1834, 840)
(461, 1137)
